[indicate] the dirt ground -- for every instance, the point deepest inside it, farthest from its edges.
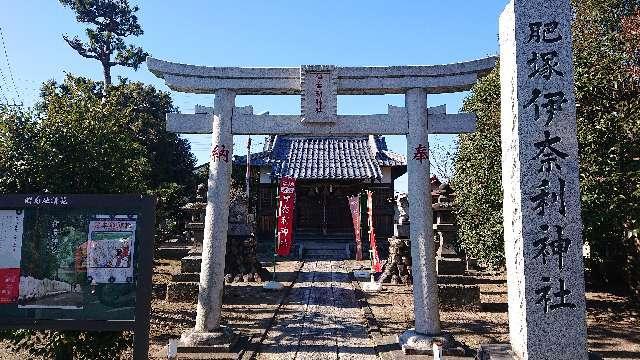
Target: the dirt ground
(613, 322)
(248, 308)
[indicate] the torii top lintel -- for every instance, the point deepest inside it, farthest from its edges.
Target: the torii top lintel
(349, 80)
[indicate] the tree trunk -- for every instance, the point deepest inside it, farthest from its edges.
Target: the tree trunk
(106, 70)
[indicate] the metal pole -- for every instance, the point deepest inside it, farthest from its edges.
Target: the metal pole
(275, 242)
(248, 173)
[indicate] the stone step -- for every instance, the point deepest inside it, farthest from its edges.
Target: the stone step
(172, 252)
(459, 295)
(451, 266)
(325, 254)
(190, 264)
(468, 280)
(186, 277)
(207, 356)
(325, 246)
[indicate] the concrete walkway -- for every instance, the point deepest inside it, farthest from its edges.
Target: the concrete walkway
(321, 319)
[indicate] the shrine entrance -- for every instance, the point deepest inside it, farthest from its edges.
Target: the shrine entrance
(319, 87)
(322, 210)
(540, 169)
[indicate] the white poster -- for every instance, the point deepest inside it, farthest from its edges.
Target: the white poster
(11, 229)
(110, 249)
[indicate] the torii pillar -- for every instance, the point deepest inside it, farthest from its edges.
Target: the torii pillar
(423, 267)
(208, 330)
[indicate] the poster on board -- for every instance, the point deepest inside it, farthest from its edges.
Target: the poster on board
(110, 249)
(11, 228)
(49, 277)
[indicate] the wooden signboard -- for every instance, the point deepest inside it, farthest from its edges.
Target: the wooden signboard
(77, 262)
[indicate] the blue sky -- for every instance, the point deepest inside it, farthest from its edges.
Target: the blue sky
(259, 33)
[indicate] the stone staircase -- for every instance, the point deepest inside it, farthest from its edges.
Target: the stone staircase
(310, 245)
(324, 250)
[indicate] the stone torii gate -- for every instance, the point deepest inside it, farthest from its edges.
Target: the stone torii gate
(319, 86)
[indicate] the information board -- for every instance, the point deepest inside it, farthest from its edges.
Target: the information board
(81, 262)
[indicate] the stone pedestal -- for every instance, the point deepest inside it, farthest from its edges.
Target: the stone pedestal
(221, 340)
(542, 224)
(448, 261)
(447, 235)
(401, 230)
(415, 343)
(504, 352)
(495, 352)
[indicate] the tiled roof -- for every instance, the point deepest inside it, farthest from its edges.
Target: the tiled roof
(326, 157)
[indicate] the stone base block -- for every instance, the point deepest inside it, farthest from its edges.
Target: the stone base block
(221, 340)
(190, 264)
(415, 343)
(176, 252)
(469, 280)
(401, 230)
(503, 352)
(186, 277)
(159, 291)
(451, 266)
(459, 295)
(495, 352)
(183, 292)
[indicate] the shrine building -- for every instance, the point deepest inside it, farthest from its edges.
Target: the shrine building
(327, 169)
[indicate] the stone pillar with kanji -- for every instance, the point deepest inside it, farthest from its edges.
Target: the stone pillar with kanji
(542, 221)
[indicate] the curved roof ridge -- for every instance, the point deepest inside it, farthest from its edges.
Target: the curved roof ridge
(327, 157)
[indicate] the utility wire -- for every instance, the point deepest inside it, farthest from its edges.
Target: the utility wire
(6, 55)
(4, 81)
(6, 101)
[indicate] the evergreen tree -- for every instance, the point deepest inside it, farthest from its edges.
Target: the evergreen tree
(478, 179)
(113, 21)
(80, 141)
(608, 123)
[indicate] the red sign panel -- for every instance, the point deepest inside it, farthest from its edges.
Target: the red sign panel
(376, 265)
(354, 206)
(9, 285)
(286, 206)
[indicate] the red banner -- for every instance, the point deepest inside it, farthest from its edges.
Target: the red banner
(9, 286)
(354, 205)
(286, 206)
(376, 265)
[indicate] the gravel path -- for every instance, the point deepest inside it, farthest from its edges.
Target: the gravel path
(321, 320)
